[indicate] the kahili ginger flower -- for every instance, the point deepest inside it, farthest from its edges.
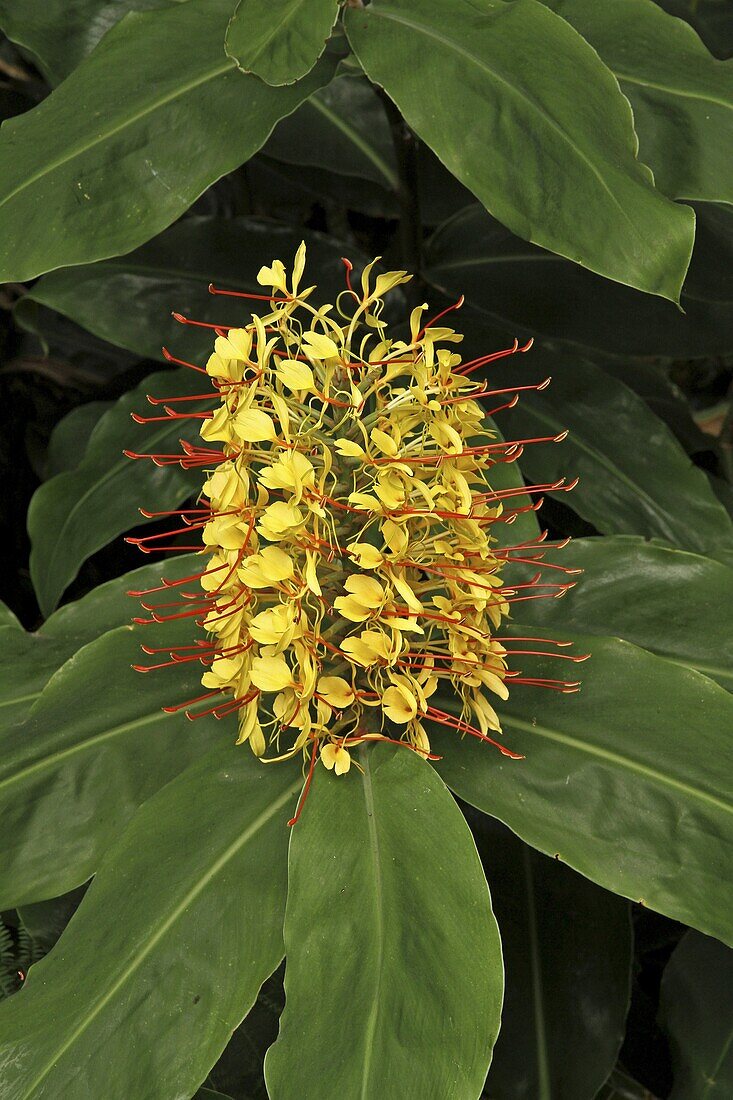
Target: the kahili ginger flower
(347, 519)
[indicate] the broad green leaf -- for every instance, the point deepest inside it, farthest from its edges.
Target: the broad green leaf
(94, 747)
(566, 944)
(393, 976)
(69, 438)
(128, 300)
(27, 661)
(279, 43)
(518, 106)
(671, 602)
(620, 1086)
(78, 512)
(180, 927)
(628, 782)
(44, 921)
(682, 97)
(710, 18)
(696, 1011)
(7, 618)
(535, 293)
(240, 1069)
(60, 33)
(131, 139)
(211, 1094)
(342, 127)
(634, 476)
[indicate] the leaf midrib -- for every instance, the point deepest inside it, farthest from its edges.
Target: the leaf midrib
(681, 93)
(82, 746)
(100, 139)
(551, 123)
(193, 893)
(378, 926)
(625, 762)
(543, 1069)
(356, 139)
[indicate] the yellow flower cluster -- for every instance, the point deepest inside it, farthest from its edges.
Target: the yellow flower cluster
(351, 567)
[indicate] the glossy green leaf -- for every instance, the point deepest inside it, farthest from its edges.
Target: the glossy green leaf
(567, 949)
(7, 618)
(342, 127)
(69, 438)
(710, 18)
(545, 117)
(60, 33)
(682, 97)
(27, 661)
(696, 1011)
(131, 139)
(78, 512)
(634, 476)
(279, 43)
(536, 293)
(386, 898)
(628, 782)
(173, 939)
(44, 921)
(96, 741)
(671, 602)
(128, 300)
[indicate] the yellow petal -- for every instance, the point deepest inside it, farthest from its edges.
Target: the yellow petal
(295, 375)
(365, 555)
(254, 425)
(336, 691)
(348, 448)
(271, 673)
(384, 442)
(368, 592)
(336, 758)
(319, 346)
(399, 704)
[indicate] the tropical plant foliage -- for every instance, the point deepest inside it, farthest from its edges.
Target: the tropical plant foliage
(564, 167)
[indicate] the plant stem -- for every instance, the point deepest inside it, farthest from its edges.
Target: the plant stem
(405, 147)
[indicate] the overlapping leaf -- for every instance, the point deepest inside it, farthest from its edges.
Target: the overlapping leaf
(696, 1010)
(182, 924)
(279, 43)
(670, 602)
(566, 943)
(128, 300)
(519, 107)
(534, 292)
(628, 781)
(132, 138)
(370, 850)
(682, 97)
(634, 476)
(93, 748)
(81, 510)
(60, 35)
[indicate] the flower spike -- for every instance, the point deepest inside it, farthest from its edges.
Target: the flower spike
(349, 569)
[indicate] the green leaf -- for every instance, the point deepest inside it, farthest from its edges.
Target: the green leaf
(68, 439)
(59, 33)
(28, 661)
(128, 300)
(131, 139)
(98, 741)
(78, 512)
(281, 43)
(696, 1010)
(533, 292)
(44, 921)
(342, 127)
(545, 117)
(173, 939)
(7, 618)
(682, 97)
(386, 899)
(628, 782)
(634, 476)
(673, 603)
(565, 943)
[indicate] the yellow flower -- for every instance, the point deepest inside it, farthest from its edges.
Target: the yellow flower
(348, 522)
